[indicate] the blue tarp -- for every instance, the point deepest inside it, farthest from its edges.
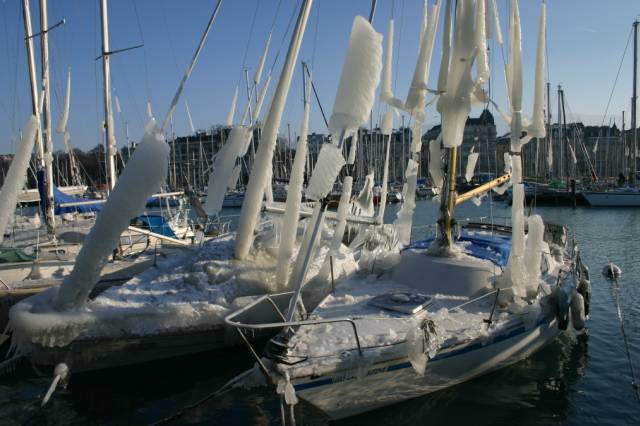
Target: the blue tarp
(60, 197)
(495, 248)
(154, 223)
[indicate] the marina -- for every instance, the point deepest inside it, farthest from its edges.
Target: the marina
(281, 236)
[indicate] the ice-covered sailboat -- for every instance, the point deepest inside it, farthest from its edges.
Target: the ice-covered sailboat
(430, 314)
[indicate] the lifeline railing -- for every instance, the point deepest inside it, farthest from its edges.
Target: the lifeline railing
(239, 326)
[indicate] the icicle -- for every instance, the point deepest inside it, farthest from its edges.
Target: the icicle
(149, 111)
(64, 118)
(261, 95)
(330, 162)
(595, 147)
(17, 174)
(446, 49)
(358, 81)
(416, 136)
(416, 98)
(292, 207)
(515, 76)
(118, 108)
(472, 160)
(533, 248)
(496, 21)
(223, 169)
(193, 129)
(405, 215)
(537, 128)
(573, 154)
(425, 19)
(435, 162)
(235, 175)
(264, 156)
(352, 149)
(455, 104)
(386, 92)
(67, 145)
(482, 61)
(144, 174)
(364, 200)
(258, 75)
(232, 108)
(387, 128)
(344, 206)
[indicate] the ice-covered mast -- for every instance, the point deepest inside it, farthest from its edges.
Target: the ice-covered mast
(110, 139)
(143, 175)
(264, 157)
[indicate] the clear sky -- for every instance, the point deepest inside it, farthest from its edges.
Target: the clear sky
(586, 40)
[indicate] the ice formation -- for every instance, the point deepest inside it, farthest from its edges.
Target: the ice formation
(344, 206)
(330, 162)
(143, 176)
(416, 97)
(232, 108)
(261, 96)
(64, 117)
(386, 91)
(363, 204)
(537, 127)
(265, 51)
(405, 215)
(264, 156)
(387, 128)
(149, 111)
(359, 79)
(235, 176)
(496, 21)
(574, 160)
(472, 160)
(455, 104)
(294, 198)
(436, 169)
(223, 168)
(533, 248)
(17, 174)
(191, 126)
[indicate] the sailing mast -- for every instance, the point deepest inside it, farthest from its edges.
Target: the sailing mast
(110, 141)
(634, 100)
(46, 112)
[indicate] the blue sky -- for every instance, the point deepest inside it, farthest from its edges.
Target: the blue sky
(586, 40)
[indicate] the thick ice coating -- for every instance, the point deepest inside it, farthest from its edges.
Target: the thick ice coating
(436, 169)
(330, 162)
(292, 207)
(405, 215)
(64, 117)
(359, 79)
(472, 160)
(232, 108)
(223, 168)
(144, 174)
(17, 174)
(537, 127)
(387, 123)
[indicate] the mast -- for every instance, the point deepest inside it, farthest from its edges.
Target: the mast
(549, 139)
(31, 66)
(46, 112)
(566, 139)
(110, 141)
(634, 100)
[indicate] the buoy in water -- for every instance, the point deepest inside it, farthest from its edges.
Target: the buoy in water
(611, 271)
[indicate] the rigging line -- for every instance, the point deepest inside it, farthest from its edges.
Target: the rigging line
(615, 82)
(169, 38)
(284, 36)
(395, 82)
(144, 51)
(246, 49)
(315, 35)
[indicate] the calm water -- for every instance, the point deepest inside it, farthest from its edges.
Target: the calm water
(576, 380)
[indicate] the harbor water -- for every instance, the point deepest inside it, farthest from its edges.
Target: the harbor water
(577, 380)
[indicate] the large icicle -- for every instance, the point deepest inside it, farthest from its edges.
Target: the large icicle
(436, 169)
(223, 169)
(496, 21)
(64, 117)
(515, 77)
(455, 104)
(232, 108)
(472, 160)
(261, 96)
(144, 174)
(294, 198)
(386, 129)
(17, 174)
(358, 81)
(191, 126)
(405, 215)
(264, 156)
(537, 128)
(386, 91)
(446, 49)
(416, 98)
(258, 75)
(330, 162)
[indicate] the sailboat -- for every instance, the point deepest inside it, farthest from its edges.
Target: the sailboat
(627, 196)
(430, 314)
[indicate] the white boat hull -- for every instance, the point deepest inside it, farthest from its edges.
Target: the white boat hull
(344, 395)
(613, 198)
